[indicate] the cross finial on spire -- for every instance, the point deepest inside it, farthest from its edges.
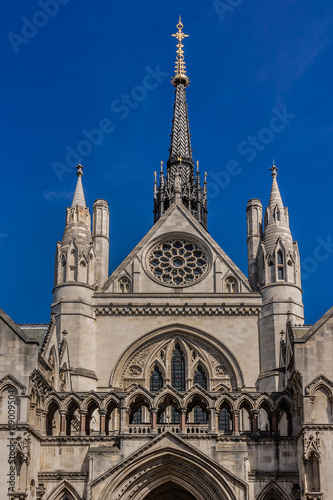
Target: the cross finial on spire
(274, 170)
(79, 170)
(180, 67)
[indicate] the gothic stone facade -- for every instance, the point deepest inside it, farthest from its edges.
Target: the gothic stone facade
(177, 377)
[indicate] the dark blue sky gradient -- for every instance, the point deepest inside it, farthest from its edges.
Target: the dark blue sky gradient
(247, 64)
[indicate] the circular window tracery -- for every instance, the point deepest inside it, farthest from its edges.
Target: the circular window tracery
(178, 262)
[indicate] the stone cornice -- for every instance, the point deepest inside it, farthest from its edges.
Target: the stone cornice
(175, 310)
(61, 475)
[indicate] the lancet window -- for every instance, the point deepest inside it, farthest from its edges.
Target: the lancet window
(156, 379)
(200, 377)
(280, 265)
(178, 369)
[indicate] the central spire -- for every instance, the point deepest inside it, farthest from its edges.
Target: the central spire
(180, 183)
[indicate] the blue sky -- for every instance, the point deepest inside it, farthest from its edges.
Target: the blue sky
(68, 66)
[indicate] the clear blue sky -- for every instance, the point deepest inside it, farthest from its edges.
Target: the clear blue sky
(68, 64)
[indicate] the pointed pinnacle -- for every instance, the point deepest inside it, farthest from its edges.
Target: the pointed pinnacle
(78, 198)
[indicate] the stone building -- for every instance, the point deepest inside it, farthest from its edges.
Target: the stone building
(177, 377)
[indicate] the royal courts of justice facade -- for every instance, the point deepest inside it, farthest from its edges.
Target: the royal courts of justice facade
(177, 377)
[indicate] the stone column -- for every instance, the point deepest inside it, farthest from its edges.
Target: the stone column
(63, 414)
(255, 421)
(154, 420)
(102, 414)
(274, 421)
(83, 415)
(43, 416)
(182, 426)
(235, 422)
(124, 412)
(212, 420)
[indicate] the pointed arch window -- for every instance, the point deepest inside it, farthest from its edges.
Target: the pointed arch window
(280, 265)
(224, 420)
(124, 285)
(200, 416)
(231, 285)
(200, 377)
(137, 416)
(178, 369)
(156, 379)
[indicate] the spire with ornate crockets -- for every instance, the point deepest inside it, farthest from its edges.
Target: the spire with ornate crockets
(180, 165)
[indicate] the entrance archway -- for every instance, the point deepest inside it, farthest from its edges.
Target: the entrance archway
(169, 491)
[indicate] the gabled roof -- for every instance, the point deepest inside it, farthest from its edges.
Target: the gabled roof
(193, 224)
(16, 329)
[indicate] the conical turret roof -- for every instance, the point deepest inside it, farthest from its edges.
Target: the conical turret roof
(78, 198)
(276, 219)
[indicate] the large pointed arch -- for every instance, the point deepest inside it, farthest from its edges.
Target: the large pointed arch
(168, 459)
(273, 490)
(64, 488)
(145, 349)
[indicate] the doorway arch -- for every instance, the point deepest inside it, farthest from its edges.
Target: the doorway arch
(169, 490)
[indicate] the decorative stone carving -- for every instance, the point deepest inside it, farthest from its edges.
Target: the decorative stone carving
(311, 444)
(177, 262)
(135, 371)
(23, 445)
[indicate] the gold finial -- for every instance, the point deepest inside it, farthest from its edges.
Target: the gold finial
(161, 167)
(197, 166)
(205, 177)
(180, 67)
(155, 175)
(179, 159)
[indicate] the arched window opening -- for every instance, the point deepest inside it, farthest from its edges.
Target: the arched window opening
(124, 285)
(156, 379)
(225, 422)
(112, 418)
(277, 214)
(264, 424)
(199, 415)
(168, 411)
(73, 419)
(9, 405)
(200, 377)
(285, 421)
(137, 416)
(178, 369)
(280, 265)
(231, 284)
(244, 420)
(312, 474)
(139, 411)
(92, 419)
(53, 420)
(322, 412)
(197, 411)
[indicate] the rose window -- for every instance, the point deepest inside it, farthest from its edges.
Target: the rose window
(178, 262)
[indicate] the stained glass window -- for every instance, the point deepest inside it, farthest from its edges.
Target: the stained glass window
(200, 378)
(178, 369)
(156, 379)
(137, 416)
(224, 420)
(200, 416)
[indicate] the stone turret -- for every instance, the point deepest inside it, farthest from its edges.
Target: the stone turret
(274, 269)
(254, 237)
(75, 281)
(101, 215)
(75, 256)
